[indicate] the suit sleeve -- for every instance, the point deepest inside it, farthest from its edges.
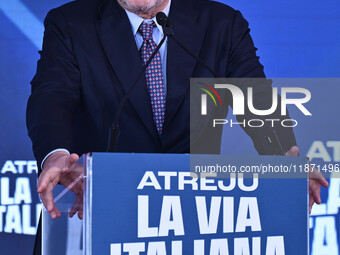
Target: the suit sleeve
(55, 91)
(244, 63)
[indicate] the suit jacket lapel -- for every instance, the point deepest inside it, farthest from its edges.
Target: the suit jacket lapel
(180, 65)
(117, 39)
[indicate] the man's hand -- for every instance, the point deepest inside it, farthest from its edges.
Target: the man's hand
(62, 168)
(316, 180)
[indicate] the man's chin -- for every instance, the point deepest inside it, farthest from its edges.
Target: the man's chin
(143, 7)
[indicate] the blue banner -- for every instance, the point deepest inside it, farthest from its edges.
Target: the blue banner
(153, 204)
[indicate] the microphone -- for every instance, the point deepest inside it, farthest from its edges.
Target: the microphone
(167, 26)
(165, 23)
(114, 130)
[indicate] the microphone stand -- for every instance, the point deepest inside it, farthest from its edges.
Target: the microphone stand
(114, 130)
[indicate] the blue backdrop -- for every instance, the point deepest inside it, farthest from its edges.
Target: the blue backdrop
(295, 39)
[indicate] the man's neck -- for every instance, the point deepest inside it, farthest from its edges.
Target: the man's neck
(152, 13)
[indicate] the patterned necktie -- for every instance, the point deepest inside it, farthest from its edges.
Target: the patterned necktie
(153, 74)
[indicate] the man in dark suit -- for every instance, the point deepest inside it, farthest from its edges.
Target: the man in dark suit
(93, 52)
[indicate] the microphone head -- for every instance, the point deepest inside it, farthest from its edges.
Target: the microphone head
(162, 19)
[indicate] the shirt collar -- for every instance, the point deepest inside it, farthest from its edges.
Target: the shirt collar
(136, 20)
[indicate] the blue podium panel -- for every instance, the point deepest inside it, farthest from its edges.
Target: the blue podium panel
(152, 204)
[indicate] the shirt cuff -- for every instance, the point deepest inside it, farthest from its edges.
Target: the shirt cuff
(60, 149)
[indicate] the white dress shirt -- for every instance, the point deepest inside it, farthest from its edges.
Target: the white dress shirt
(157, 35)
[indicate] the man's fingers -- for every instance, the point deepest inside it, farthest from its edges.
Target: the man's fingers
(316, 198)
(45, 188)
(42, 186)
(49, 176)
(48, 198)
(78, 203)
(294, 151)
(323, 182)
(55, 213)
(317, 176)
(59, 168)
(314, 191)
(73, 210)
(311, 202)
(58, 212)
(77, 207)
(80, 215)
(315, 180)
(48, 201)
(71, 159)
(42, 182)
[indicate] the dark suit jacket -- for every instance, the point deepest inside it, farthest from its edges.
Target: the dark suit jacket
(89, 59)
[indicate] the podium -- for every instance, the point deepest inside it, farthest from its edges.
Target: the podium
(181, 204)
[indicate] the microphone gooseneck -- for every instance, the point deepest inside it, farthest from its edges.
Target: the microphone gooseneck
(167, 26)
(114, 130)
